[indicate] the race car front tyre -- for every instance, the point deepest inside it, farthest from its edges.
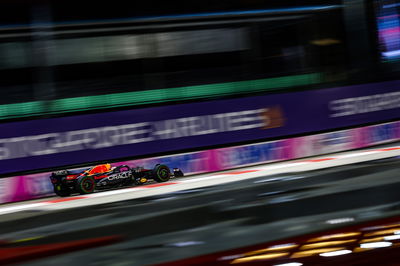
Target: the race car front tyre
(62, 191)
(85, 185)
(161, 173)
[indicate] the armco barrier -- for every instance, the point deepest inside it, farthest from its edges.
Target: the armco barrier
(19, 188)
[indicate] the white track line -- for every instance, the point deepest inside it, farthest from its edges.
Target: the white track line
(18, 208)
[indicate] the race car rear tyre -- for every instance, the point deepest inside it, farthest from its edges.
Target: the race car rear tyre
(62, 191)
(161, 173)
(85, 185)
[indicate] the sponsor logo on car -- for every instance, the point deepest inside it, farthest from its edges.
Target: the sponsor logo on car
(61, 172)
(126, 174)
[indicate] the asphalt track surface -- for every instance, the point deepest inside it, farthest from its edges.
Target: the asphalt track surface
(203, 214)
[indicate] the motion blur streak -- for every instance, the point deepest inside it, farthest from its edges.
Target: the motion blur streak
(283, 115)
(336, 253)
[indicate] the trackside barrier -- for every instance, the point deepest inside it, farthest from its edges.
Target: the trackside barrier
(20, 188)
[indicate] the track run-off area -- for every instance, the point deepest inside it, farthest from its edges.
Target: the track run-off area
(205, 180)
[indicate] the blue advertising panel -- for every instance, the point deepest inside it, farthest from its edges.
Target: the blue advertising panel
(53, 142)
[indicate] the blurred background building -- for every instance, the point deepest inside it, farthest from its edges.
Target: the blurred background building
(74, 56)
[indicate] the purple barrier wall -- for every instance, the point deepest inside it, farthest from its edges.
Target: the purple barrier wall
(20, 188)
(48, 143)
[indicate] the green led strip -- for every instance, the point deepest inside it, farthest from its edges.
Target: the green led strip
(154, 96)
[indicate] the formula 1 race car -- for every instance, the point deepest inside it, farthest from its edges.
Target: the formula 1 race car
(104, 176)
